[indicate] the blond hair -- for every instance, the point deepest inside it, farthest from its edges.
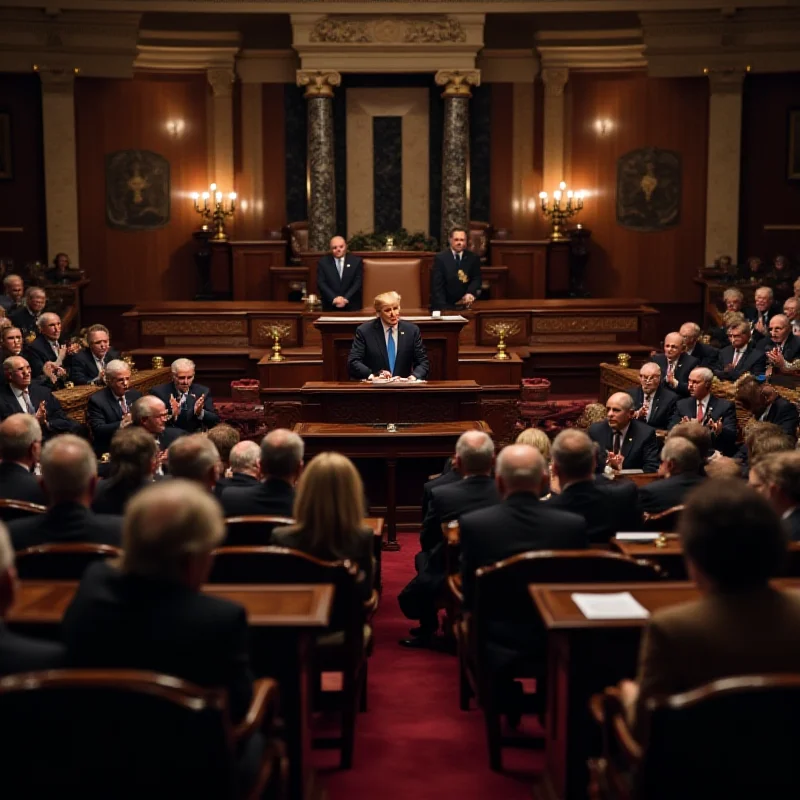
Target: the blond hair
(537, 438)
(387, 298)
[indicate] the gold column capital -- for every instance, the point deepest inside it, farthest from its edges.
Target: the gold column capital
(318, 83)
(221, 80)
(554, 80)
(457, 82)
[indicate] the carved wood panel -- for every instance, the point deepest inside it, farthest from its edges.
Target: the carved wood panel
(194, 327)
(502, 417)
(282, 414)
(572, 324)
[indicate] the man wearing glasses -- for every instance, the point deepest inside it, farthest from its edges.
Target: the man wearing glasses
(653, 402)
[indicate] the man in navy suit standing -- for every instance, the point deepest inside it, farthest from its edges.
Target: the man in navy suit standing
(388, 347)
(456, 274)
(339, 278)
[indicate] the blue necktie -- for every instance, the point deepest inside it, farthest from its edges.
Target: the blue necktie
(390, 349)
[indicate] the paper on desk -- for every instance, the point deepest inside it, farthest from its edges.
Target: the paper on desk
(619, 605)
(642, 536)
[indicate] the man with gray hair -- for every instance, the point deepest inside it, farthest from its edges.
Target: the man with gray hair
(476, 489)
(20, 448)
(281, 464)
(195, 458)
(189, 403)
(245, 467)
(680, 468)
(629, 443)
(19, 653)
(13, 290)
(707, 355)
(69, 478)
(653, 402)
(26, 316)
(48, 348)
(110, 409)
(149, 412)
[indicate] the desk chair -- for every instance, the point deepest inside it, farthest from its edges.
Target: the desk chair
(19, 509)
(61, 562)
(253, 531)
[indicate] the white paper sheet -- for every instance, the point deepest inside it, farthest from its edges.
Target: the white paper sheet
(642, 536)
(619, 605)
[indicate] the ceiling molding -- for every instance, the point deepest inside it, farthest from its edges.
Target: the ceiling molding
(629, 56)
(267, 66)
(508, 66)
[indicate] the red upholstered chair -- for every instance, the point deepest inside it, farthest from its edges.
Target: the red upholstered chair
(401, 275)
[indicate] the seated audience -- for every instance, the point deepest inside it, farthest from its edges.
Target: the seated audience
(245, 466)
(13, 290)
(680, 468)
(47, 348)
(110, 409)
(606, 508)
(766, 405)
(791, 310)
(782, 346)
(329, 516)
(762, 312)
(692, 346)
(752, 270)
(741, 355)
(281, 465)
(224, 437)
(675, 364)
(89, 364)
(195, 458)
(448, 475)
(723, 467)
(761, 439)
(20, 448)
(190, 403)
(149, 613)
(11, 344)
(719, 336)
(718, 415)
(653, 402)
(629, 443)
(733, 544)
(150, 413)
(26, 317)
(777, 477)
(780, 277)
(69, 479)
(700, 437)
(134, 460)
(19, 653)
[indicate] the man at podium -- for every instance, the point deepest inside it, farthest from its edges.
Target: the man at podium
(388, 347)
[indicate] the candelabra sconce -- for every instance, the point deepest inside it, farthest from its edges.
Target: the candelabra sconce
(277, 332)
(214, 209)
(624, 360)
(502, 330)
(313, 303)
(564, 205)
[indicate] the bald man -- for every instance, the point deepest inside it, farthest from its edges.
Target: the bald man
(339, 278)
(782, 347)
(675, 364)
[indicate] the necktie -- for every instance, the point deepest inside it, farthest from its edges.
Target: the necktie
(670, 369)
(700, 414)
(391, 350)
(646, 406)
(617, 442)
(340, 266)
(458, 258)
(123, 405)
(28, 404)
(736, 356)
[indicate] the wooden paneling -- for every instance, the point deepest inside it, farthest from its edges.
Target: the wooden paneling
(767, 197)
(502, 148)
(110, 115)
(670, 113)
(22, 197)
(274, 130)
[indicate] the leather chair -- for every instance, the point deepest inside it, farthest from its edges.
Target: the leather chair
(297, 234)
(401, 275)
(19, 509)
(480, 234)
(252, 531)
(662, 521)
(61, 562)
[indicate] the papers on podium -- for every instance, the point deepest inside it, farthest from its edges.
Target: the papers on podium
(616, 605)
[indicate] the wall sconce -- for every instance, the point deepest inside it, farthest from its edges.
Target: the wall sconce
(175, 127)
(603, 126)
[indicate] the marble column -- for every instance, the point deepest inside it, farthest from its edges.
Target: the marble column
(555, 80)
(60, 167)
(724, 165)
(455, 147)
(220, 116)
(321, 174)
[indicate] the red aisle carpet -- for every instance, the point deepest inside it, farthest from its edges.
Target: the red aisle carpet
(414, 742)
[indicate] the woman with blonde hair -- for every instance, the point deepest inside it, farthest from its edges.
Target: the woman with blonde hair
(537, 438)
(329, 516)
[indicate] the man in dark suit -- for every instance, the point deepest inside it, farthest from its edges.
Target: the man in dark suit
(718, 415)
(652, 401)
(281, 464)
(692, 346)
(675, 364)
(69, 478)
(476, 489)
(741, 355)
(110, 409)
(190, 403)
(19, 394)
(630, 444)
(89, 365)
(11, 344)
(195, 458)
(782, 346)
(680, 466)
(606, 509)
(448, 476)
(47, 347)
(150, 413)
(339, 278)
(455, 275)
(26, 316)
(13, 289)
(762, 312)
(149, 613)
(778, 479)
(766, 405)
(244, 461)
(20, 448)
(20, 653)
(388, 347)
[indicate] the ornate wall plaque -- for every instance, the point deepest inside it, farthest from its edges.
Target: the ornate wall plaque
(649, 189)
(137, 190)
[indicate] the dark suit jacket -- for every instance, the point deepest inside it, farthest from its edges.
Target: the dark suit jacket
(187, 420)
(705, 354)
(57, 420)
(368, 354)
(791, 347)
(24, 320)
(792, 524)
(447, 288)
(607, 509)
(716, 409)
(751, 314)
(447, 477)
(664, 400)
(520, 523)
(667, 493)
(22, 654)
(39, 352)
(450, 501)
(83, 369)
(272, 497)
(66, 523)
(753, 361)
(111, 497)
(783, 413)
(330, 285)
(684, 366)
(18, 483)
(120, 621)
(7, 302)
(104, 415)
(639, 447)
(239, 480)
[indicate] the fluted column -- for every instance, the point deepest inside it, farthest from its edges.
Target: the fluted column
(322, 180)
(455, 147)
(554, 80)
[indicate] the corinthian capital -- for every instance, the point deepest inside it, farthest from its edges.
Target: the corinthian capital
(555, 79)
(221, 81)
(56, 79)
(318, 83)
(457, 82)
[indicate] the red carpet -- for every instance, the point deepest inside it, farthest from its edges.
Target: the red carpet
(414, 742)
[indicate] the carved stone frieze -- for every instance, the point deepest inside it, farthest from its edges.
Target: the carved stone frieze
(585, 324)
(194, 327)
(394, 30)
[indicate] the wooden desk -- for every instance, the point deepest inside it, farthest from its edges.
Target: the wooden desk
(283, 619)
(583, 657)
(372, 447)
